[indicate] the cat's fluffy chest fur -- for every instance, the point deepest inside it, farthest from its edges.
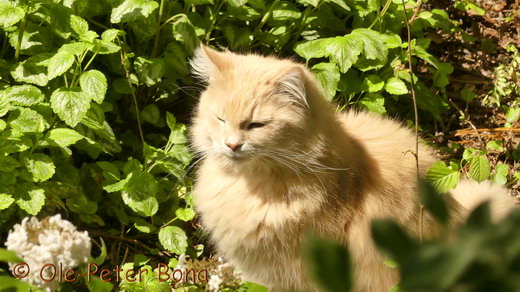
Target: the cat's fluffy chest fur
(279, 160)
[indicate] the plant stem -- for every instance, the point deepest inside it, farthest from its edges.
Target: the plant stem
(158, 31)
(213, 21)
(381, 14)
(21, 30)
(266, 17)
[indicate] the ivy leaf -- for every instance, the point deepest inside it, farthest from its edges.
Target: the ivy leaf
(173, 239)
(64, 137)
(479, 168)
(26, 120)
(70, 104)
(131, 10)
(6, 200)
(59, 64)
(139, 193)
(30, 198)
(24, 95)
(374, 102)
(328, 76)
(78, 24)
(94, 84)
(443, 177)
(40, 166)
(395, 86)
(344, 51)
(10, 15)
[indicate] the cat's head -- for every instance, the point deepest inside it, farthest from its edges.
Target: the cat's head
(253, 108)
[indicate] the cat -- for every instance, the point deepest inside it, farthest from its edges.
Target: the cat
(278, 159)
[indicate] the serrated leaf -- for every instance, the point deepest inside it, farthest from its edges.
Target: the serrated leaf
(8, 164)
(78, 24)
(111, 34)
(40, 166)
(374, 102)
(395, 86)
(139, 193)
(76, 48)
(328, 76)
(6, 200)
(443, 177)
(344, 51)
(24, 95)
(131, 10)
(184, 32)
(26, 120)
(30, 198)
(173, 239)
(313, 49)
(313, 3)
(94, 84)
(142, 225)
(10, 15)
(103, 47)
(59, 64)
(70, 104)
(479, 168)
(185, 214)
(64, 137)
(372, 83)
(31, 71)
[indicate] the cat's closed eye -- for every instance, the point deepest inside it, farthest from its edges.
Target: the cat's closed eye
(255, 125)
(220, 119)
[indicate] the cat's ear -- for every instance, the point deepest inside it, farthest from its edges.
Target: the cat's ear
(207, 63)
(291, 85)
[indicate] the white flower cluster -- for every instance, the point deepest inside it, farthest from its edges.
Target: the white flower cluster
(52, 240)
(221, 274)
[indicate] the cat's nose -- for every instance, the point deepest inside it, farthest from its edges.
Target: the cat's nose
(234, 146)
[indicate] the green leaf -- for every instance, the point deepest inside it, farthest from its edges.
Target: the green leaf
(6, 200)
(479, 168)
(184, 32)
(328, 76)
(131, 10)
(150, 71)
(8, 164)
(173, 239)
(312, 49)
(9, 256)
(501, 173)
(30, 198)
(251, 287)
(237, 3)
(372, 83)
(10, 15)
(513, 114)
(77, 48)
(32, 70)
(139, 193)
(142, 225)
(26, 120)
(70, 104)
(313, 3)
(185, 214)
(495, 145)
(374, 102)
(40, 166)
(94, 84)
(443, 177)
(395, 86)
(64, 137)
(59, 64)
(78, 24)
(24, 95)
(344, 51)
(8, 283)
(328, 264)
(433, 202)
(151, 114)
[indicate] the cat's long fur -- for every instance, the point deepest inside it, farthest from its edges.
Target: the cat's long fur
(308, 168)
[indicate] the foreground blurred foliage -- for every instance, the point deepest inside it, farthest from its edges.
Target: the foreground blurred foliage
(95, 94)
(477, 256)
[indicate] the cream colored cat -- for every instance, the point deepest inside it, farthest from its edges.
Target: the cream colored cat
(278, 159)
